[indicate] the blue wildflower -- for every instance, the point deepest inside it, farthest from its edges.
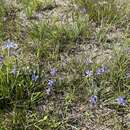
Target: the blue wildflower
(34, 77)
(50, 83)
(53, 72)
(88, 73)
(121, 101)
(14, 70)
(83, 10)
(93, 100)
(9, 45)
(1, 59)
(50, 86)
(101, 70)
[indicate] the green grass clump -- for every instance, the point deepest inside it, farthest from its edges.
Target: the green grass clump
(2, 14)
(32, 6)
(60, 37)
(103, 11)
